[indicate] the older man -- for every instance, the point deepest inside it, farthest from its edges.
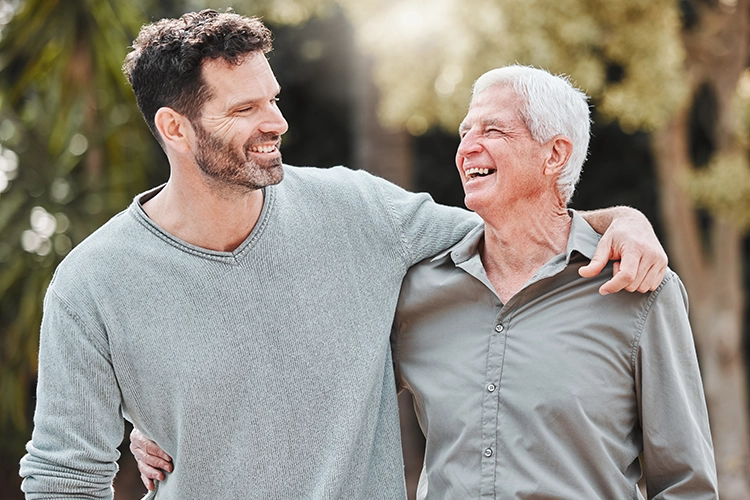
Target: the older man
(526, 381)
(240, 320)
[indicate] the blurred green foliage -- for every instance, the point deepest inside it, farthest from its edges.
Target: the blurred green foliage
(73, 151)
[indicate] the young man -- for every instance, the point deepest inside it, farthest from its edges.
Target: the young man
(239, 320)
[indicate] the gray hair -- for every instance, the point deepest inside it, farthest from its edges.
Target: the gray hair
(550, 106)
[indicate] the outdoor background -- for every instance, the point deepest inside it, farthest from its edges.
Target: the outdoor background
(382, 85)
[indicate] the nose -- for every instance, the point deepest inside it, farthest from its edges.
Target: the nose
(468, 145)
(274, 122)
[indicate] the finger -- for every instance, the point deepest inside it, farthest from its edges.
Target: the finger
(136, 436)
(641, 277)
(153, 449)
(653, 279)
(630, 263)
(138, 440)
(624, 276)
(645, 282)
(149, 484)
(142, 456)
(654, 266)
(598, 261)
(149, 472)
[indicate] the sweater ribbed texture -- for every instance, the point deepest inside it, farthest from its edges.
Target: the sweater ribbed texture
(264, 372)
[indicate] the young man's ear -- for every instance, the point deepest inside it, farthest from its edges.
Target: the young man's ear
(560, 150)
(175, 129)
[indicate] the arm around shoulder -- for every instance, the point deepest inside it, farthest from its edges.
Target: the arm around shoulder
(423, 226)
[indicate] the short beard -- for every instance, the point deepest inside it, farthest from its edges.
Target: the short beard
(230, 168)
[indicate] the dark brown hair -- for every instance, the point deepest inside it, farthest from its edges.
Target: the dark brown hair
(164, 67)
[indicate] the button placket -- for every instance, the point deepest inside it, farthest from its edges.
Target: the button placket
(491, 401)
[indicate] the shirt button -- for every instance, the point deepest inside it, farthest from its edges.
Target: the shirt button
(491, 388)
(488, 452)
(499, 328)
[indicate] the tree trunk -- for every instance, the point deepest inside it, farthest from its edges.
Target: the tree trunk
(710, 262)
(385, 153)
(712, 273)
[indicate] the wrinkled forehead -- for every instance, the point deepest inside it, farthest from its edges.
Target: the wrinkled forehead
(252, 77)
(251, 65)
(497, 104)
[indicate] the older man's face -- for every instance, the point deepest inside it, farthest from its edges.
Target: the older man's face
(498, 160)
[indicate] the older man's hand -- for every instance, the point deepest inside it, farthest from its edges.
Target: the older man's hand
(630, 240)
(152, 461)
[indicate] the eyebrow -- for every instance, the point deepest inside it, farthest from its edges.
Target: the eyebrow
(484, 123)
(247, 102)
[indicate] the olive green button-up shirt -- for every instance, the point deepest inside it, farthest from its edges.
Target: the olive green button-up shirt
(561, 392)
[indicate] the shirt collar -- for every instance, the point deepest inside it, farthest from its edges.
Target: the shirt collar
(464, 249)
(582, 239)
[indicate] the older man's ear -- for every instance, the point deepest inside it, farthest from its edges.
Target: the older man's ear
(560, 149)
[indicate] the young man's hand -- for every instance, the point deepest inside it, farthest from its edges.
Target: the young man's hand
(630, 240)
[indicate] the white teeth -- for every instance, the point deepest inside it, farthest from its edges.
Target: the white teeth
(263, 149)
(471, 172)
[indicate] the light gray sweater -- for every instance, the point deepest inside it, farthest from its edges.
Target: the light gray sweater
(264, 372)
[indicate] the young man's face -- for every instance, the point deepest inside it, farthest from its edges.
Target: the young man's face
(498, 160)
(238, 133)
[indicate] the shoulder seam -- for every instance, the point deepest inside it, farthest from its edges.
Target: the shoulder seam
(394, 223)
(644, 315)
(69, 309)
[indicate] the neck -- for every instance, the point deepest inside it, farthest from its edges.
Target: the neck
(519, 240)
(201, 214)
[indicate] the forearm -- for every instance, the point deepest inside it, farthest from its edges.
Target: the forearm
(600, 219)
(59, 474)
(77, 424)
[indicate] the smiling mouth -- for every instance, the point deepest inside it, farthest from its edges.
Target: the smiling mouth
(473, 173)
(264, 149)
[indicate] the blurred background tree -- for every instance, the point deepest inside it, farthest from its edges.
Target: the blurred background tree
(382, 85)
(72, 152)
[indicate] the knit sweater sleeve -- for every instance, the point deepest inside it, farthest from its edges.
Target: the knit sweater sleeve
(424, 228)
(77, 425)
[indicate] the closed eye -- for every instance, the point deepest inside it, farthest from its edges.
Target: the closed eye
(244, 109)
